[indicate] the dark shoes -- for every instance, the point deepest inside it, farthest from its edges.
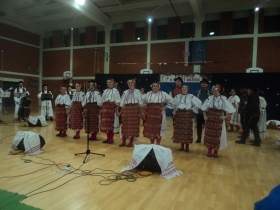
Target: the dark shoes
(129, 145)
(91, 138)
(108, 142)
(240, 142)
(76, 137)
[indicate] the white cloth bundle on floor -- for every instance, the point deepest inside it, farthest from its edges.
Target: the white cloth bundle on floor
(31, 142)
(277, 123)
(163, 156)
(34, 119)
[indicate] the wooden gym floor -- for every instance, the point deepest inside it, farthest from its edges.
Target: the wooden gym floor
(242, 174)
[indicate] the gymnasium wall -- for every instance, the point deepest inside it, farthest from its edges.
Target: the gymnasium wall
(20, 57)
(233, 52)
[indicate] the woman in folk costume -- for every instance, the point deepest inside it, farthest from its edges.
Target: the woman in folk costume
(184, 107)
(155, 119)
(235, 117)
(215, 136)
(110, 111)
(46, 105)
(76, 111)
(262, 120)
(92, 104)
(131, 112)
(62, 107)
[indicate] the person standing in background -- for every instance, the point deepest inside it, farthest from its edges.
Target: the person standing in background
(20, 89)
(46, 105)
(241, 110)
(202, 94)
(235, 117)
(252, 116)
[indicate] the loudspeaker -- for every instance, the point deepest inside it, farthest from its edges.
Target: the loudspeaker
(149, 163)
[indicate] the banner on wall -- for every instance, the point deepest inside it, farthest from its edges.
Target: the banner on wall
(192, 78)
(193, 52)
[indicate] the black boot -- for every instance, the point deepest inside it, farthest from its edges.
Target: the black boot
(240, 141)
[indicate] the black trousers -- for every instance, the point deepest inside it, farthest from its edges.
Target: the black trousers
(199, 122)
(251, 122)
(242, 120)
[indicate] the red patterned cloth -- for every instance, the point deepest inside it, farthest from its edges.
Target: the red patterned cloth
(213, 128)
(107, 117)
(131, 120)
(91, 114)
(153, 121)
(183, 126)
(60, 118)
(76, 116)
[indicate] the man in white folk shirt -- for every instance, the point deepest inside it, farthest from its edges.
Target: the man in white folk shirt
(46, 105)
(21, 90)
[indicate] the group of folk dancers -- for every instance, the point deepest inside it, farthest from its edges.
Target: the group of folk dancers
(101, 113)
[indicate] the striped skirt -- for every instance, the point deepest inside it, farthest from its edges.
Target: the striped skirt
(107, 117)
(76, 117)
(213, 128)
(183, 126)
(91, 118)
(60, 118)
(131, 120)
(153, 121)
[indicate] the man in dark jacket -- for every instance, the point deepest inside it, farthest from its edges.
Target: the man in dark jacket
(252, 115)
(202, 94)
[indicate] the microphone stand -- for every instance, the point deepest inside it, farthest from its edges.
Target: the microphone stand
(88, 152)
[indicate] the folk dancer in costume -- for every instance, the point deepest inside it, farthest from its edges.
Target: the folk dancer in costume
(17, 99)
(262, 120)
(155, 118)
(62, 107)
(252, 116)
(116, 85)
(202, 94)
(76, 111)
(184, 107)
(131, 112)
(70, 92)
(92, 104)
(215, 136)
(142, 92)
(46, 105)
(92, 83)
(241, 109)
(235, 117)
(110, 112)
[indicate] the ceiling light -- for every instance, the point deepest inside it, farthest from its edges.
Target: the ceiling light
(80, 2)
(257, 9)
(212, 33)
(150, 20)
(138, 38)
